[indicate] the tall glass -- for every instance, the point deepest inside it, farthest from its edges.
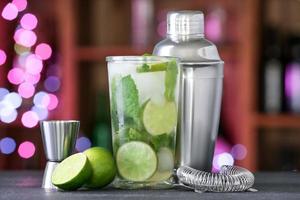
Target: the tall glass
(144, 112)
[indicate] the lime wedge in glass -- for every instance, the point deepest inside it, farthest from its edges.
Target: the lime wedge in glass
(136, 161)
(162, 66)
(72, 172)
(160, 118)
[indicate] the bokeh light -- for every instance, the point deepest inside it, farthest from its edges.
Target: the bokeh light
(82, 144)
(26, 149)
(239, 152)
(221, 146)
(3, 93)
(41, 99)
(53, 102)
(26, 90)
(2, 57)
(13, 99)
(15, 76)
(292, 86)
(33, 64)
(52, 84)
(43, 50)
(32, 78)
(30, 119)
(22, 59)
(20, 4)
(213, 27)
(28, 21)
(222, 159)
(7, 145)
(41, 112)
(19, 49)
(8, 114)
(10, 12)
(25, 37)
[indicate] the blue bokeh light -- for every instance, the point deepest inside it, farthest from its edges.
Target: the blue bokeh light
(7, 145)
(83, 143)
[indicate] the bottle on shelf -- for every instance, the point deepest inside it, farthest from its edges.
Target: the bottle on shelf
(272, 73)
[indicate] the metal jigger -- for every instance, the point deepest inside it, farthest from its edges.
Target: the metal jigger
(59, 139)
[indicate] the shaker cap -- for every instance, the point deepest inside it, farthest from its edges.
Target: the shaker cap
(185, 22)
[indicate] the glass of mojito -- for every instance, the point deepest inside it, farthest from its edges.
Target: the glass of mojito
(144, 111)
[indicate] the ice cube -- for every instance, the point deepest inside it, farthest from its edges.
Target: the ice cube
(151, 85)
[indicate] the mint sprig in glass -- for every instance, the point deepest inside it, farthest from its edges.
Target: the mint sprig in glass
(144, 114)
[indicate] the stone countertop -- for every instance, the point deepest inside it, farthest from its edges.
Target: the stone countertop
(25, 185)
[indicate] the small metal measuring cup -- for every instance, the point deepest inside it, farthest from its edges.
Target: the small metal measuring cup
(59, 138)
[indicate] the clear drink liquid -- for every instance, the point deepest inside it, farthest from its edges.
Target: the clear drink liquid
(144, 109)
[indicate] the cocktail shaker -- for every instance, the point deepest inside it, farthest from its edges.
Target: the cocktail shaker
(201, 87)
(59, 138)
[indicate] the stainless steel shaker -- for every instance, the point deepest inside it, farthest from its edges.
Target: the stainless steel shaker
(59, 138)
(201, 87)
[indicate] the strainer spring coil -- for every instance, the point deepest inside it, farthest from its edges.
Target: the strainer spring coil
(229, 179)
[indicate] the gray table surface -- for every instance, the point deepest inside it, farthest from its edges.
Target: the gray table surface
(26, 185)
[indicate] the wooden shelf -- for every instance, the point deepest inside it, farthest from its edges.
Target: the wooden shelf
(99, 53)
(277, 121)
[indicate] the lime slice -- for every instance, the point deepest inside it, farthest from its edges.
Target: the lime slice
(136, 161)
(162, 66)
(160, 176)
(72, 172)
(159, 119)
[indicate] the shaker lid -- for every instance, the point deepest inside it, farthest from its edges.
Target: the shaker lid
(185, 22)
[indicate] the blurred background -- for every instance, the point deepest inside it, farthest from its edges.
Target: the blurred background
(52, 66)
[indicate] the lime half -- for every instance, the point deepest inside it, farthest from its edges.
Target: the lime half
(136, 161)
(72, 172)
(103, 167)
(160, 118)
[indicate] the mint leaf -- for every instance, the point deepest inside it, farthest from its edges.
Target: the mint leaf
(114, 112)
(143, 68)
(147, 54)
(134, 135)
(170, 80)
(131, 134)
(130, 97)
(164, 140)
(125, 109)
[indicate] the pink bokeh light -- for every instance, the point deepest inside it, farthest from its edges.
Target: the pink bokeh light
(26, 149)
(25, 37)
(213, 28)
(20, 4)
(43, 50)
(53, 102)
(2, 57)
(26, 90)
(41, 99)
(29, 21)
(33, 64)
(15, 76)
(239, 152)
(10, 12)
(32, 78)
(30, 119)
(221, 148)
